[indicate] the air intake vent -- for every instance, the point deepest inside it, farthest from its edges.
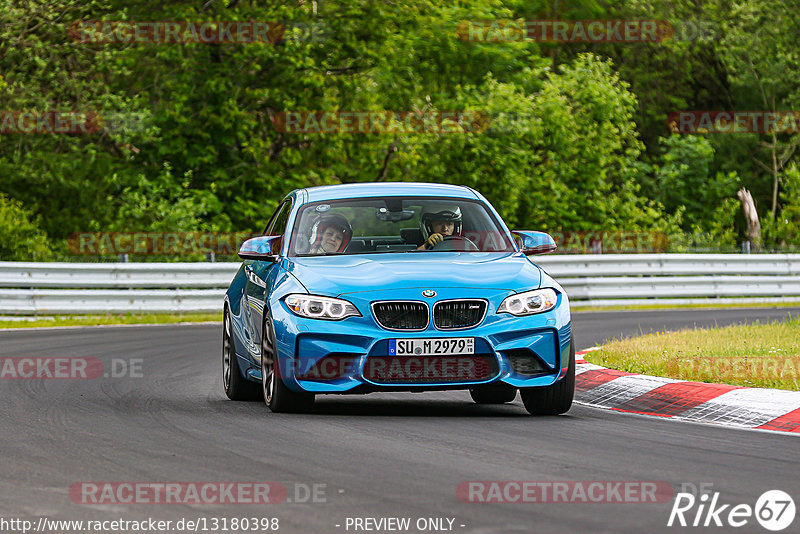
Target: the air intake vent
(525, 362)
(458, 314)
(401, 315)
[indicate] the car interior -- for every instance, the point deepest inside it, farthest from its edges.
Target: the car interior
(410, 239)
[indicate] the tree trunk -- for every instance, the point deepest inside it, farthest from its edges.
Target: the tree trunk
(750, 213)
(775, 174)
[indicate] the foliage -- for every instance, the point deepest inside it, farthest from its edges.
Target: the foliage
(683, 178)
(783, 232)
(577, 138)
(23, 240)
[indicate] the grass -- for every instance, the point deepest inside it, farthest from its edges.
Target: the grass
(757, 354)
(97, 320)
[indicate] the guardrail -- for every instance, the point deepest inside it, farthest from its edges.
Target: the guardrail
(602, 280)
(59, 288)
(620, 279)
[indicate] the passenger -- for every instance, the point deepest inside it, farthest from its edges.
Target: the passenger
(330, 234)
(436, 225)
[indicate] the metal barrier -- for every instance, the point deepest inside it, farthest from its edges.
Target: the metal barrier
(59, 288)
(601, 280)
(620, 279)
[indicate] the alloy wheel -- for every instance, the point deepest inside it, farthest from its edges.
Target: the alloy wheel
(267, 363)
(227, 350)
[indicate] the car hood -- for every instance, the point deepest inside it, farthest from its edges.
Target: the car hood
(337, 275)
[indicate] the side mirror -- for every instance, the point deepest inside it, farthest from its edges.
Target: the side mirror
(261, 248)
(534, 242)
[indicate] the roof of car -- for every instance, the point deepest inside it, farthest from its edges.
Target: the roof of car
(385, 189)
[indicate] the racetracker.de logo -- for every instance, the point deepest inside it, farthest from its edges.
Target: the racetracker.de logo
(163, 31)
(100, 493)
(610, 242)
(50, 368)
(158, 243)
(380, 122)
(732, 122)
(396, 369)
(49, 122)
(71, 122)
(565, 491)
(565, 31)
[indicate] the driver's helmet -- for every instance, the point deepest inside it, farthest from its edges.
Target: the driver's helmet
(439, 213)
(331, 220)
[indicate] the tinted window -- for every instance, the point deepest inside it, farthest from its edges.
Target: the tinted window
(279, 220)
(277, 226)
(396, 224)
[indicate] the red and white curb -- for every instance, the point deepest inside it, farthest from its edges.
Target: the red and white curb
(744, 407)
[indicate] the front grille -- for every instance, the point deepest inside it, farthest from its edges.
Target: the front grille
(525, 362)
(430, 369)
(401, 315)
(456, 314)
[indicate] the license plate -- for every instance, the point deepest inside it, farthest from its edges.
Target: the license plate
(432, 346)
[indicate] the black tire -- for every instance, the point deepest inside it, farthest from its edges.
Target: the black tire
(276, 395)
(235, 385)
(493, 396)
(555, 399)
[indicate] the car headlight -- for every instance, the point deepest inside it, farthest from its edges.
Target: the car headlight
(315, 307)
(529, 302)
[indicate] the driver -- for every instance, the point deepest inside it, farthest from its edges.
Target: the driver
(439, 222)
(331, 233)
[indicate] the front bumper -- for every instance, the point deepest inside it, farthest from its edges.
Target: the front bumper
(352, 356)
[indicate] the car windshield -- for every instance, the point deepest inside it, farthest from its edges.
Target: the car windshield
(396, 224)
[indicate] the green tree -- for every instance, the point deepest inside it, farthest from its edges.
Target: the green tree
(23, 239)
(760, 49)
(683, 177)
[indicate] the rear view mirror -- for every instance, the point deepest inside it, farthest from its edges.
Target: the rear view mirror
(534, 242)
(394, 216)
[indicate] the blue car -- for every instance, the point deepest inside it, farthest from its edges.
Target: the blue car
(361, 288)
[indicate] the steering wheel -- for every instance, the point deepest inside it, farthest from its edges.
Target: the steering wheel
(451, 242)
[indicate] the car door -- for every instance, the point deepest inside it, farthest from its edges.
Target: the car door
(261, 276)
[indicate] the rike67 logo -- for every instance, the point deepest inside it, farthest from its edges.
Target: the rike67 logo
(774, 510)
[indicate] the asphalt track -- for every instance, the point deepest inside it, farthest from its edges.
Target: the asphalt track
(382, 455)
